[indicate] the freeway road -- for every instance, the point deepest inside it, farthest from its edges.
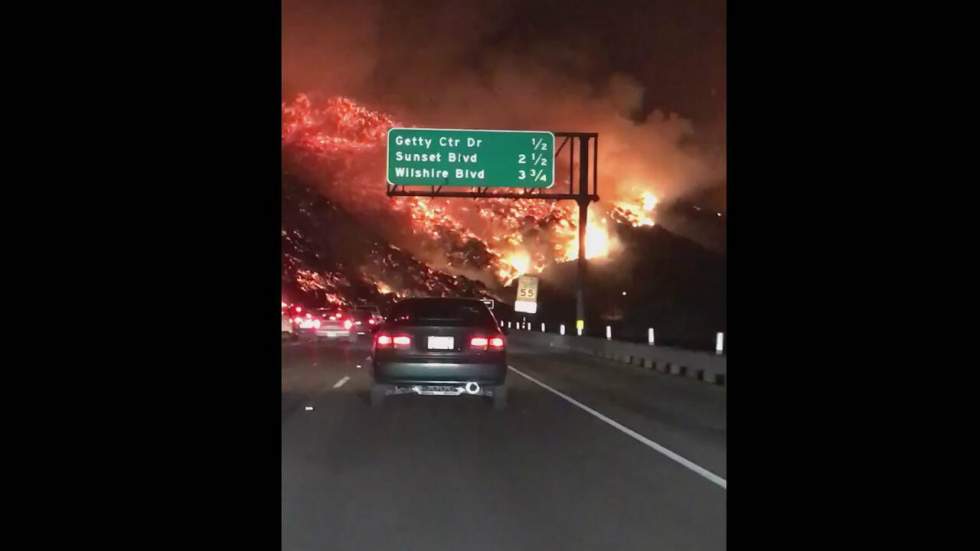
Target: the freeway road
(595, 469)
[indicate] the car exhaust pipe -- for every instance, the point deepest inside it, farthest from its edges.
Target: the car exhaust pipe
(472, 388)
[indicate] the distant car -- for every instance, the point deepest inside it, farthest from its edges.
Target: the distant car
(294, 313)
(327, 323)
(365, 319)
(287, 313)
(439, 346)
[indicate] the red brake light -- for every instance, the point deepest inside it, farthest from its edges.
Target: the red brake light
(485, 343)
(316, 324)
(400, 341)
(297, 319)
(299, 309)
(348, 324)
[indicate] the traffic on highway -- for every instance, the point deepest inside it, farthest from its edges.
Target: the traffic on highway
(440, 430)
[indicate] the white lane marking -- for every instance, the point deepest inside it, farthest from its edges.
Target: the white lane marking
(341, 382)
(683, 461)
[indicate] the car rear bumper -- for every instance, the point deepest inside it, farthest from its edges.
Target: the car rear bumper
(327, 333)
(398, 372)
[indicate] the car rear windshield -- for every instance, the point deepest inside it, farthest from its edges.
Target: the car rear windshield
(361, 314)
(441, 312)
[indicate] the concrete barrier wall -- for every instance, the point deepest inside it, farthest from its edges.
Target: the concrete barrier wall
(703, 366)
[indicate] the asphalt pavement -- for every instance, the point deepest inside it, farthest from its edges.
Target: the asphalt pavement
(607, 457)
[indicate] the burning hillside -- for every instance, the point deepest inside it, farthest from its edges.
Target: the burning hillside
(344, 240)
(339, 145)
(330, 258)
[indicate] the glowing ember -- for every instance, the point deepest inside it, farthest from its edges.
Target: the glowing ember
(636, 212)
(327, 284)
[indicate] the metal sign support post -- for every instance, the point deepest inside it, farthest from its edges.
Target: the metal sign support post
(583, 196)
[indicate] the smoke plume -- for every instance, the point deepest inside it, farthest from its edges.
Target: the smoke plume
(483, 65)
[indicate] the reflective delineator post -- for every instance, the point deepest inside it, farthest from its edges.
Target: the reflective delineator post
(608, 333)
(650, 336)
(508, 325)
(719, 343)
(580, 326)
(542, 327)
(561, 329)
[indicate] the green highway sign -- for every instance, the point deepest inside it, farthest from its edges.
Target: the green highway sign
(471, 158)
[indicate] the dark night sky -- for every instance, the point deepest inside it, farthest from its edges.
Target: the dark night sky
(676, 49)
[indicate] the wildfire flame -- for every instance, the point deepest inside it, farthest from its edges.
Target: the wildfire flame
(503, 237)
(649, 201)
(598, 242)
(636, 211)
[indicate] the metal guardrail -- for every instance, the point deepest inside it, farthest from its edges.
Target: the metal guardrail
(703, 366)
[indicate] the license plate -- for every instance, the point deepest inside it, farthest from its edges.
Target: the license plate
(440, 343)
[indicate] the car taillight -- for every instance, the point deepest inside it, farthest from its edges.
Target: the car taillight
(316, 324)
(399, 341)
(348, 324)
(479, 342)
(372, 322)
(297, 319)
(299, 310)
(483, 343)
